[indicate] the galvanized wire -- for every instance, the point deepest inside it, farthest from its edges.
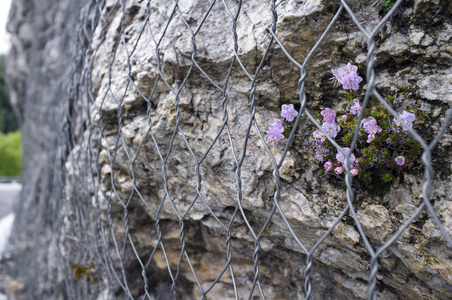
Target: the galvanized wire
(85, 228)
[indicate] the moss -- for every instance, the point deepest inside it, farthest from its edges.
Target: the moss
(86, 273)
(386, 5)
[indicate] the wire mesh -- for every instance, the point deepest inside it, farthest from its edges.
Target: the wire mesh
(96, 240)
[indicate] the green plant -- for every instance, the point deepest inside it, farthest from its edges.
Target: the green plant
(386, 5)
(11, 154)
(384, 150)
(87, 273)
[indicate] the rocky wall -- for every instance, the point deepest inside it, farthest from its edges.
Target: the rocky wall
(162, 196)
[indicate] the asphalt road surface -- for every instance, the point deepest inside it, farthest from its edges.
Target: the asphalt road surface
(9, 192)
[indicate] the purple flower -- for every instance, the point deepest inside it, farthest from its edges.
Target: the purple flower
(319, 157)
(341, 158)
(274, 132)
(349, 68)
(339, 170)
(277, 124)
(351, 81)
(374, 129)
(370, 138)
(354, 171)
(344, 118)
(288, 112)
(408, 118)
(337, 79)
(370, 125)
(342, 72)
(319, 137)
(369, 120)
(347, 76)
(274, 135)
(400, 160)
(331, 128)
(355, 109)
(328, 115)
(328, 165)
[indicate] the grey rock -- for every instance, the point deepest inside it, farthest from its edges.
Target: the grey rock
(109, 173)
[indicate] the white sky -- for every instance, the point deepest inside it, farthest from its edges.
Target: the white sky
(4, 38)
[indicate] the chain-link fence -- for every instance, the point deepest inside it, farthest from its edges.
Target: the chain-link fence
(141, 205)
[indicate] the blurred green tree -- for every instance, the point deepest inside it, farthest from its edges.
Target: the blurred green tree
(8, 121)
(10, 137)
(11, 154)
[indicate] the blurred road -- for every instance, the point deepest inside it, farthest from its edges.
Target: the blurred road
(9, 192)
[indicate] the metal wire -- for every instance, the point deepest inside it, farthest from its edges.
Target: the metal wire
(94, 228)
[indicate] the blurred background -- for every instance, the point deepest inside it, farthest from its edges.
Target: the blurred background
(10, 143)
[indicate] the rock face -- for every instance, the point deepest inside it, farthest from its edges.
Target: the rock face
(169, 188)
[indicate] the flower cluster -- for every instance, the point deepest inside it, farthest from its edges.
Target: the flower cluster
(341, 160)
(383, 145)
(276, 129)
(347, 76)
(383, 148)
(330, 127)
(370, 125)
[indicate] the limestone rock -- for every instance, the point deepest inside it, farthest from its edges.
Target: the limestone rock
(151, 162)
